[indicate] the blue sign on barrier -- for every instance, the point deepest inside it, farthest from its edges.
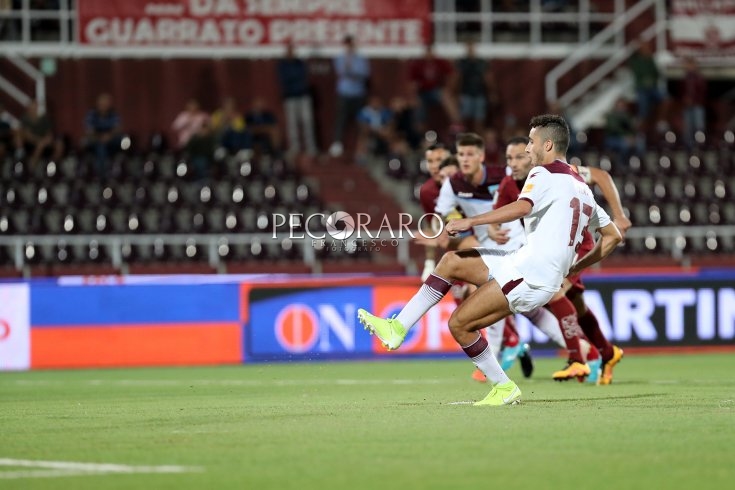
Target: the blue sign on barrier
(290, 323)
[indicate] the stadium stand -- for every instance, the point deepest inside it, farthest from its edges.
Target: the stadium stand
(154, 213)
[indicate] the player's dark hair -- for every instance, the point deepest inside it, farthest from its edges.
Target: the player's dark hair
(554, 128)
(518, 140)
(448, 162)
(436, 146)
(470, 139)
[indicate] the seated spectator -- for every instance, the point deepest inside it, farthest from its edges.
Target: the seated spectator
(103, 137)
(34, 136)
(620, 130)
(263, 126)
(200, 148)
(374, 129)
(189, 122)
(228, 125)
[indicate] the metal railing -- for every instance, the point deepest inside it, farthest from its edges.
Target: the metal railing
(500, 33)
(616, 31)
(673, 240)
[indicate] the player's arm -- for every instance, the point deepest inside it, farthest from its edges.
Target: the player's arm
(604, 181)
(502, 198)
(511, 212)
(610, 237)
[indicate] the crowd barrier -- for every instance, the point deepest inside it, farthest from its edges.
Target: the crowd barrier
(207, 320)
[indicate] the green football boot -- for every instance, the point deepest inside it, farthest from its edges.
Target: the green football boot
(390, 331)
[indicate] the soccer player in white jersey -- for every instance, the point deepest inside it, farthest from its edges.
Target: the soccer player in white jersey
(474, 190)
(557, 206)
(568, 305)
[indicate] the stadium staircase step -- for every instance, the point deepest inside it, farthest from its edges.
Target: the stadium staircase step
(345, 186)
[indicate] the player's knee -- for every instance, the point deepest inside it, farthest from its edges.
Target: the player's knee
(460, 323)
(455, 324)
(447, 265)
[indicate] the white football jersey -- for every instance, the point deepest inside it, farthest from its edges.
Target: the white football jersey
(475, 200)
(563, 207)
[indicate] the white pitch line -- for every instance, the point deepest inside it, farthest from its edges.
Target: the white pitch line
(69, 468)
(12, 475)
(247, 382)
(461, 403)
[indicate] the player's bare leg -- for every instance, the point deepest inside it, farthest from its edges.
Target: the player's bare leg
(464, 265)
(485, 306)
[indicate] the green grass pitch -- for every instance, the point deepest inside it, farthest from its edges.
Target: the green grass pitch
(667, 422)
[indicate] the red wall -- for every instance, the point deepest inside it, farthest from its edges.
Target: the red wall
(149, 93)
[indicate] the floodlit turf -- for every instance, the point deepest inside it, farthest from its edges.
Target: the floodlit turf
(667, 422)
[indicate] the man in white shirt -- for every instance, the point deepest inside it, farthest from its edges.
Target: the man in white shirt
(557, 206)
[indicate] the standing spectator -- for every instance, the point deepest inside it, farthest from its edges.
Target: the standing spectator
(102, 133)
(9, 28)
(694, 98)
(228, 125)
(189, 122)
(353, 72)
(263, 127)
(648, 80)
(476, 89)
(375, 132)
(8, 126)
(429, 77)
(620, 130)
(404, 124)
(34, 136)
(294, 83)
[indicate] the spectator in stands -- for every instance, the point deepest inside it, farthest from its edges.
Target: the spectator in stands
(476, 89)
(263, 127)
(429, 78)
(228, 125)
(293, 79)
(620, 131)
(648, 84)
(404, 123)
(694, 98)
(200, 148)
(102, 133)
(189, 122)
(9, 28)
(493, 148)
(8, 126)
(34, 137)
(374, 129)
(353, 73)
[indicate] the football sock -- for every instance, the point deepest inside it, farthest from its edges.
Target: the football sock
(593, 354)
(510, 335)
(431, 292)
(591, 329)
(548, 324)
(494, 336)
(482, 356)
(564, 311)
